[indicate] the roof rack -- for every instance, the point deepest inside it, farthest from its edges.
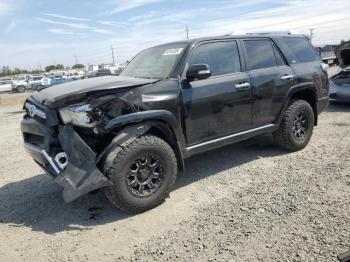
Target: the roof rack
(286, 32)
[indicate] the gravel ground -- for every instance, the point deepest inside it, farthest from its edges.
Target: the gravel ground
(245, 202)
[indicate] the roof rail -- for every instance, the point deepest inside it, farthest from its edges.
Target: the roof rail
(287, 32)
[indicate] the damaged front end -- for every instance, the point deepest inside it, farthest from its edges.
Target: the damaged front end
(69, 143)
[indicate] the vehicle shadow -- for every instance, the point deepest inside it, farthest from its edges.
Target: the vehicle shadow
(37, 202)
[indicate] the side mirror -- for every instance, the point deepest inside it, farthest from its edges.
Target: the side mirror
(200, 71)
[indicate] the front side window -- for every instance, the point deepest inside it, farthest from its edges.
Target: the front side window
(222, 57)
(260, 54)
(301, 49)
(155, 63)
(279, 58)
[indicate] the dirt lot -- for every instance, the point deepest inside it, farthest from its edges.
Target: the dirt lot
(245, 202)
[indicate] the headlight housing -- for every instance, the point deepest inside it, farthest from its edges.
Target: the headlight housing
(80, 115)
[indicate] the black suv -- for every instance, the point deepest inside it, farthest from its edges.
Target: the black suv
(130, 134)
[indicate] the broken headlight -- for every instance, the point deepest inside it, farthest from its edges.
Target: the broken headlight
(80, 115)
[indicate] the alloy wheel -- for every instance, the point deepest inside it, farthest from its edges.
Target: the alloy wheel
(145, 175)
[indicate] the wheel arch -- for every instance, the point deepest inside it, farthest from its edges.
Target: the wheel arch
(160, 123)
(303, 92)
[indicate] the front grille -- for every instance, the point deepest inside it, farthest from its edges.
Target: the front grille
(39, 127)
(35, 112)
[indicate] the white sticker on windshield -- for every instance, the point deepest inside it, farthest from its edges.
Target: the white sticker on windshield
(173, 51)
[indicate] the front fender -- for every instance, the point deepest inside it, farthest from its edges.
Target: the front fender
(150, 115)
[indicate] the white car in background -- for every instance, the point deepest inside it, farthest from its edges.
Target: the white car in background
(20, 84)
(35, 82)
(5, 85)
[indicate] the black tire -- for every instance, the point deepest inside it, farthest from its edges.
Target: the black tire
(21, 89)
(127, 170)
(293, 133)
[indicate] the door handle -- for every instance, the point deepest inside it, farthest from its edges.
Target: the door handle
(242, 86)
(287, 77)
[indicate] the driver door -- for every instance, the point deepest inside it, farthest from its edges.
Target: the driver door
(221, 104)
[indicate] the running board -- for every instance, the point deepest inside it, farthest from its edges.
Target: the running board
(226, 140)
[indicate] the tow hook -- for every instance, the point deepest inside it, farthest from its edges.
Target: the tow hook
(61, 160)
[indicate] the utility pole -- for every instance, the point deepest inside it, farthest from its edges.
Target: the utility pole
(311, 34)
(112, 54)
(76, 59)
(186, 31)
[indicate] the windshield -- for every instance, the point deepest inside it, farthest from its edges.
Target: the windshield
(156, 62)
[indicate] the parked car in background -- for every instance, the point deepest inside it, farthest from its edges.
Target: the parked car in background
(59, 80)
(339, 88)
(91, 74)
(103, 72)
(76, 76)
(5, 85)
(36, 82)
(20, 84)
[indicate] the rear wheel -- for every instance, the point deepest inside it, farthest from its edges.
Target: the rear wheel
(142, 174)
(296, 127)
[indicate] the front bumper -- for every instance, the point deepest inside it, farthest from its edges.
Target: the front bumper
(44, 139)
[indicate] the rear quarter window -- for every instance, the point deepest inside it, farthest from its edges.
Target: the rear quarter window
(301, 49)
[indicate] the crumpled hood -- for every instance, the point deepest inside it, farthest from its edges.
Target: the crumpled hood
(343, 54)
(51, 96)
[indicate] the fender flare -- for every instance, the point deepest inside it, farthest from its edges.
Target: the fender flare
(150, 115)
(138, 124)
(297, 88)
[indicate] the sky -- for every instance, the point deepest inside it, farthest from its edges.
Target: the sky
(36, 33)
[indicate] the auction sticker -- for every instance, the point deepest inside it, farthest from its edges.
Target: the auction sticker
(173, 51)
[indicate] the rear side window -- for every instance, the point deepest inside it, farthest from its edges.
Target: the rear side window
(260, 54)
(222, 57)
(301, 49)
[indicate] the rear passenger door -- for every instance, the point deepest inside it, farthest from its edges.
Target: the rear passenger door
(270, 79)
(221, 104)
(306, 63)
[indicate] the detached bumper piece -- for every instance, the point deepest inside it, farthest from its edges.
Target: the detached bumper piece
(79, 174)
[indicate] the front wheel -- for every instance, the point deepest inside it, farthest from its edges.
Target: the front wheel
(296, 127)
(142, 174)
(21, 89)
